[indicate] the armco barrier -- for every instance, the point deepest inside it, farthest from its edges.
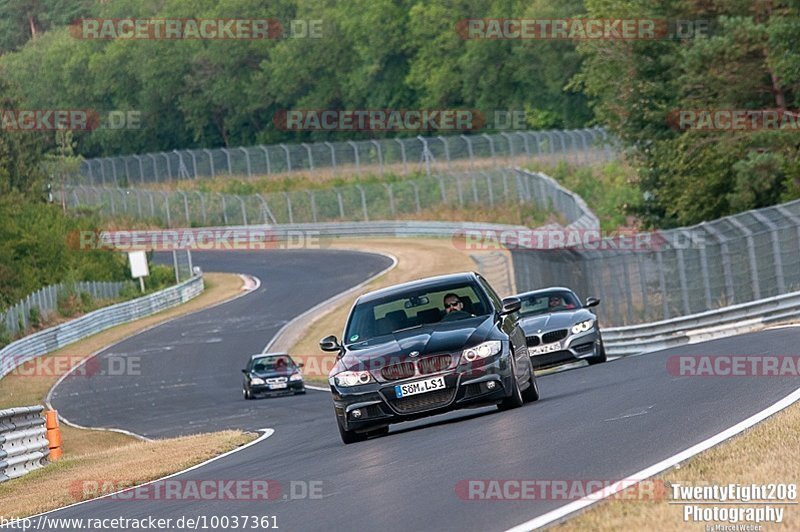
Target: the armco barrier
(23, 441)
(54, 338)
(718, 323)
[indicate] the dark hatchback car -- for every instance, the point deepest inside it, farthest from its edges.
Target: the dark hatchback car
(404, 355)
(560, 329)
(272, 374)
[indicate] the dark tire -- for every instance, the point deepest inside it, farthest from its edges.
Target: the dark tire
(531, 393)
(301, 392)
(348, 436)
(247, 395)
(515, 400)
(599, 359)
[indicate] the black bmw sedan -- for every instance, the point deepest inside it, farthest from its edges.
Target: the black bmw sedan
(427, 347)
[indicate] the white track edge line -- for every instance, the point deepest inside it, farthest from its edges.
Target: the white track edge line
(563, 511)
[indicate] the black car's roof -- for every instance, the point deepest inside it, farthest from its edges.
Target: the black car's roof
(420, 284)
(545, 290)
(264, 355)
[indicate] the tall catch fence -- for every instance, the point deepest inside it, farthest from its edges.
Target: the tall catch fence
(399, 156)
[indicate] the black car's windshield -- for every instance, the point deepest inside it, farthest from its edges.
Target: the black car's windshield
(413, 309)
(273, 363)
(545, 302)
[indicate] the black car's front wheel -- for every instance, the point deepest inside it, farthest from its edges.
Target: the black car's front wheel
(247, 394)
(349, 436)
(514, 400)
(531, 393)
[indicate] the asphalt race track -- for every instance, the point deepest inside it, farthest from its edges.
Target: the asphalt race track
(602, 422)
(190, 378)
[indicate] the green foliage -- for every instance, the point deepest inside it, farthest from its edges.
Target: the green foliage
(35, 317)
(746, 61)
(373, 54)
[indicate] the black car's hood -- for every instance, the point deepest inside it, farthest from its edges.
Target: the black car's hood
(443, 337)
(556, 320)
(272, 374)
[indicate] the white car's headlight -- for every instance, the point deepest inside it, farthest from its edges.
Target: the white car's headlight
(296, 377)
(582, 326)
(353, 378)
(256, 381)
(484, 350)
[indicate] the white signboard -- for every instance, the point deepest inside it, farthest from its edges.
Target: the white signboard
(138, 261)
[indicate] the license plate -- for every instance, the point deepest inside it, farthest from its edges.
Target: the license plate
(413, 388)
(277, 386)
(547, 348)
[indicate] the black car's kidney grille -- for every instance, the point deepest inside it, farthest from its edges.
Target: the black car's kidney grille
(554, 336)
(434, 364)
(396, 372)
(423, 401)
(532, 341)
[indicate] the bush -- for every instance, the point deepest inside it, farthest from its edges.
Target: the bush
(35, 317)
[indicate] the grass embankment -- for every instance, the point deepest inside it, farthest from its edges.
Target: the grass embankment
(97, 455)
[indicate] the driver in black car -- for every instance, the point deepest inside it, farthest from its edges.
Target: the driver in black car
(452, 303)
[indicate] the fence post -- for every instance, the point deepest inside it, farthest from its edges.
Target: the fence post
(224, 208)
(355, 153)
(391, 197)
(266, 158)
(313, 206)
(341, 204)
(244, 210)
(380, 154)
(114, 171)
(186, 207)
(194, 163)
(704, 274)
(267, 211)
(525, 142)
(228, 158)
(247, 162)
(751, 253)
(403, 155)
(289, 207)
(210, 162)
(363, 202)
(169, 167)
(141, 168)
(416, 196)
(469, 150)
(510, 144)
(682, 279)
(426, 154)
(726, 262)
(310, 155)
(446, 150)
(166, 203)
(662, 283)
(333, 155)
(91, 174)
(776, 249)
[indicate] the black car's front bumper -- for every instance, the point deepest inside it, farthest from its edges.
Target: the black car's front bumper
(371, 406)
(264, 389)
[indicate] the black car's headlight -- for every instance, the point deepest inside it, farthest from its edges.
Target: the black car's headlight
(256, 381)
(296, 377)
(484, 350)
(582, 326)
(353, 378)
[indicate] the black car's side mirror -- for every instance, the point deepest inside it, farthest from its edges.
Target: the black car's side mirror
(510, 305)
(245, 371)
(330, 343)
(591, 302)
(300, 365)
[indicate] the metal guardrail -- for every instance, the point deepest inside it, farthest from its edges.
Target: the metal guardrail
(397, 155)
(23, 441)
(709, 325)
(54, 338)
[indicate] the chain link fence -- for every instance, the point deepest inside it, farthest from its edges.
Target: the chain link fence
(399, 156)
(45, 301)
(737, 259)
(408, 198)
